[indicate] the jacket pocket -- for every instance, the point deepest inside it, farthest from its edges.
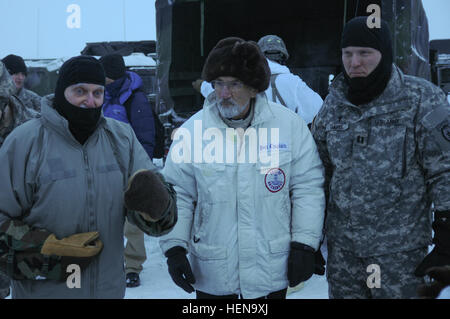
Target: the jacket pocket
(279, 253)
(387, 151)
(339, 144)
(210, 268)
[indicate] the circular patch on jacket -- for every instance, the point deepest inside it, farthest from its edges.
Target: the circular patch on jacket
(446, 132)
(275, 180)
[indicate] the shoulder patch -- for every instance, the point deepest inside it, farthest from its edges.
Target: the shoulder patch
(436, 117)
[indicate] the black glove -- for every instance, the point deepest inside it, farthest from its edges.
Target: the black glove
(301, 263)
(180, 269)
(319, 268)
(441, 276)
(440, 255)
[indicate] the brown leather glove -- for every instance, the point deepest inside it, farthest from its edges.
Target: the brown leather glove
(78, 245)
(147, 194)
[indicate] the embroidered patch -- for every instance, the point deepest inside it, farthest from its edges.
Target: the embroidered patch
(446, 132)
(275, 179)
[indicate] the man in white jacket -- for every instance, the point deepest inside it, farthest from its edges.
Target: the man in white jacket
(285, 88)
(249, 186)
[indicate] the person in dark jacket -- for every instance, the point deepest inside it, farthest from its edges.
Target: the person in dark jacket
(126, 102)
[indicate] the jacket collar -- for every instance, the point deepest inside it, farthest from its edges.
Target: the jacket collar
(57, 122)
(392, 98)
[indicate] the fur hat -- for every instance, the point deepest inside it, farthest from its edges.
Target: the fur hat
(240, 59)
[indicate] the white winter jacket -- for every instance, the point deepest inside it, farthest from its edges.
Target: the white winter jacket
(297, 95)
(237, 218)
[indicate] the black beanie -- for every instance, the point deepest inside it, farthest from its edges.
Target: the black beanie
(358, 34)
(80, 69)
(240, 59)
(114, 65)
(15, 64)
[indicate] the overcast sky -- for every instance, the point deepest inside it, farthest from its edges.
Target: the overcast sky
(57, 28)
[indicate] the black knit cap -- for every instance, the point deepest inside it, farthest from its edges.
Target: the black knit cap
(358, 34)
(15, 64)
(114, 65)
(80, 69)
(240, 59)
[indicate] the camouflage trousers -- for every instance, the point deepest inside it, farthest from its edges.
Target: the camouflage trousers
(388, 276)
(4, 286)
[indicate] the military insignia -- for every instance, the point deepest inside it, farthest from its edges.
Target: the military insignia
(446, 132)
(275, 179)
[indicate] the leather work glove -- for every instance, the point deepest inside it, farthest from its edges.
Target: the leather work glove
(301, 263)
(440, 255)
(147, 194)
(78, 245)
(441, 276)
(78, 249)
(180, 269)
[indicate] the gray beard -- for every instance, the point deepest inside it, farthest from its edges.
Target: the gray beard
(230, 111)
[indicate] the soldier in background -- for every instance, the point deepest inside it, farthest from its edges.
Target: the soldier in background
(12, 114)
(384, 140)
(18, 70)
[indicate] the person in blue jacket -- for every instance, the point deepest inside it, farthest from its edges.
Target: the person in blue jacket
(125, 101)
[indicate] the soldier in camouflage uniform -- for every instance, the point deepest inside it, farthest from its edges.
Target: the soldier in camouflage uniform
(12, 114)
(18, 71)
(384, 139)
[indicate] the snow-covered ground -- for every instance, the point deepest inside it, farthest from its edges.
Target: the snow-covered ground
(157, 284)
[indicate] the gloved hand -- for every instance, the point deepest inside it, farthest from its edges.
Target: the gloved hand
(78, 249)
(35, 253)
(440, 255)
(319, 268)
(77, 245)
(301, 263)
(180, 269)
(148, 195)
(197, 85)
(441, 276)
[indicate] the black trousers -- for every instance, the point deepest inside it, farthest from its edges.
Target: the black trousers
(280, 294)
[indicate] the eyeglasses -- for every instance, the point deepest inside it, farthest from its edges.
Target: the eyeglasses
(233, 86)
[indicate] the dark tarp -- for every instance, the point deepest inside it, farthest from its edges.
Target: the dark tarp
(121, 47)
(188, 29)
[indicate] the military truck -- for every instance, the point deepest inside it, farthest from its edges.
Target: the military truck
(188, 29)
(139, 57)
(440, 63)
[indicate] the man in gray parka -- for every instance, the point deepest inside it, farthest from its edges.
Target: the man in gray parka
(65, 181)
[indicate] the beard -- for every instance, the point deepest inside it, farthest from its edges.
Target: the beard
(229, 109)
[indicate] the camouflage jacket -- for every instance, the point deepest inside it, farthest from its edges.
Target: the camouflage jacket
(13, 112)
(29, 99)
(386, 162)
